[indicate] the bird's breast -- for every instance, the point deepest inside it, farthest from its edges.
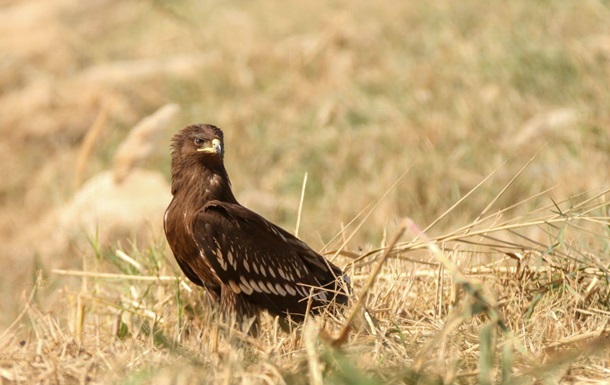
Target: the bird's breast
(179, 234)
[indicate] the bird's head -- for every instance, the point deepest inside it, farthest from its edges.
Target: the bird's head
(197, 163)
(199, 143)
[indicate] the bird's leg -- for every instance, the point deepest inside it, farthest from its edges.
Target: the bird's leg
(237, 308)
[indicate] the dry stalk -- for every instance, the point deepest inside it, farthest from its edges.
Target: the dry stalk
(342, 338)
(371, 210)
(510, 183)
(313, 360)
(296, 230)
(161, 278)
(24, 311)
(604, 333)
(87, 145)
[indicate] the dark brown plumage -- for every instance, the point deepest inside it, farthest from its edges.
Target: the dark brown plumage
(244, 261)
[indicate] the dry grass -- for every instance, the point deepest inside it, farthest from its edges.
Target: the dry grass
(536, 312)
(496, 113)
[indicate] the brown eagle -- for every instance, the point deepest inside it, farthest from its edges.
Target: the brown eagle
(244, 261)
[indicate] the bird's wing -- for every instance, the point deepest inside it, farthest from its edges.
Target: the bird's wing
(252, 256)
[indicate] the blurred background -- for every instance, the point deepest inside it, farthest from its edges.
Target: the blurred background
(352, 93)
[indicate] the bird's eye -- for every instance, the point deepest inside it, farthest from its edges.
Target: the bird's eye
(198, 141)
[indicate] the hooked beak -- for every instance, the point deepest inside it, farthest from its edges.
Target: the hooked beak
(216, 147)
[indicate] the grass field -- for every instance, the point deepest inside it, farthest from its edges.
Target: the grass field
(476, 135)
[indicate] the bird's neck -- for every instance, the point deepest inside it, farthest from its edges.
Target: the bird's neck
(200, 183)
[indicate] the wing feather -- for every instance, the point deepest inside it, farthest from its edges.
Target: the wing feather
(264, 262)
